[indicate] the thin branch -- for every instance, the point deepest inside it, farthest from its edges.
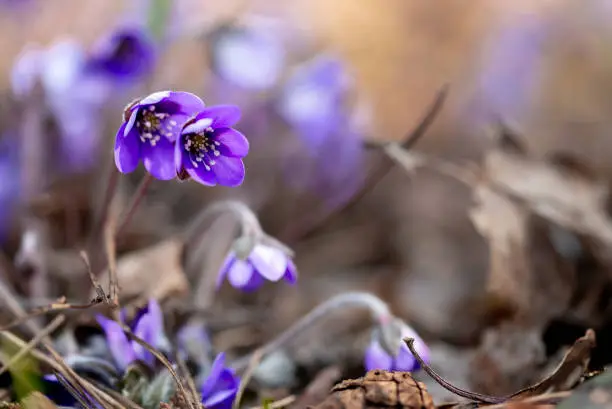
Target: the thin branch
(281, 403)
(133, 206)
(92, 277)
(246, 378)
(311, 225)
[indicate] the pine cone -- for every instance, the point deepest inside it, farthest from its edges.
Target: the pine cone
(379, 389)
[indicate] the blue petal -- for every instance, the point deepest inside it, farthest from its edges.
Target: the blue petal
(377, 358)
(118, 343)
(159, 159)
(127, 150)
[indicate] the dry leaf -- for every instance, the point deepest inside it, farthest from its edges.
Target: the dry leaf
(153, 272)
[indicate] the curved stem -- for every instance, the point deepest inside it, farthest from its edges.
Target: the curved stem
(249, 224)
(136, 199)
(378, 309)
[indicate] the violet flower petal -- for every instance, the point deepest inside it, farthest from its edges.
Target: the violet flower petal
(147, 330)
(377, 358)
(220, 386)
(291, 273)
(159, 159)
(240, 273)
(270, 262)
(229, 171)
(225, 391)
(203, 176)
(127, 150)
(223, 116)
(233, 143)
(119, 345)
(215, 371)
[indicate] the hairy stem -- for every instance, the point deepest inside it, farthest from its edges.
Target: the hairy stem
(378, 309)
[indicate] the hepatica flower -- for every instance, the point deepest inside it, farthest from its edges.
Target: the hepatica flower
(150, 129)
(314, 103)
(249, 57)
(263, 263)
(73, 96)
(220, 385)
(377, 357)
(209, 150)
(126, 53)
(148, 325)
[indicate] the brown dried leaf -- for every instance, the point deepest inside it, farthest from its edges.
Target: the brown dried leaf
(559, 194)
(153, 272)
(379, 389)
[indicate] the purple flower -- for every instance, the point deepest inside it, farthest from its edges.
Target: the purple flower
(126, 53)
(512, 66)
(377, 357)
(209, 150)
(9, 185)
(150, 129)
(313, 98)
(249, 57)
(330, 157)
(148, 325)
(73, 97)
(264, 263)
(220, 386)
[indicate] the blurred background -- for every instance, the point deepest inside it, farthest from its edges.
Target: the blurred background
(495, 277)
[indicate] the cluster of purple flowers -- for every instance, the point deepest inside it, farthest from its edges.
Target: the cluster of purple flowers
(175, 135)
(220, 383)
(77, 84)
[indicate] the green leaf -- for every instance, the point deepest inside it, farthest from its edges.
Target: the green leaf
(266, 403)
(25, 372)
(159, 12)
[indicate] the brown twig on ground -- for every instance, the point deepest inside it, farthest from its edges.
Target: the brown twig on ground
(192, 401)
(53, 325)
(281, 403)
(316, 221)
(92, 277)
(546, 398)
(110, 248)
(47, 309)
(184, 372)
(246, 378)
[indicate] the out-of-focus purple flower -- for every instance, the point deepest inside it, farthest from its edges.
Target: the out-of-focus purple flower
(148, 325)
(209, 150)
(220, 386)
(314, 103)
(249, 57)
(263, 263)
(510, 69)
(124, 54)
(377, 357)
(150, 129)
(312, 100)
(73, 97)
(9, 181)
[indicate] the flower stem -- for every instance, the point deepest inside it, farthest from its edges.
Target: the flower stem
(135, 201)
(109, 193)
(378, 309)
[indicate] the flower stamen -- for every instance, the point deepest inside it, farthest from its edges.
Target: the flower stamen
(200, 146)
